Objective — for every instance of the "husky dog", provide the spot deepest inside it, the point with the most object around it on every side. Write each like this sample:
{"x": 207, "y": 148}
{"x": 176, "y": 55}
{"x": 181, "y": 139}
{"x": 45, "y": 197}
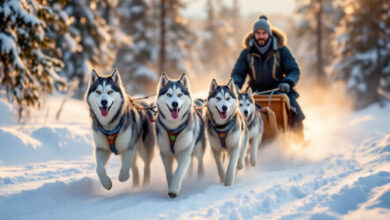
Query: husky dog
{"x": 179, "y": 129}
{"x": 254, "y": 123}
{"x": 119, "y": 128}
{"x": 226, "y": 128}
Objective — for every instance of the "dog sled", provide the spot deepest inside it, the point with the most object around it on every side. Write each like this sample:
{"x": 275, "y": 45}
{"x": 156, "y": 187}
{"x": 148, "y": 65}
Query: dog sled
{"x": 275, "y": 112}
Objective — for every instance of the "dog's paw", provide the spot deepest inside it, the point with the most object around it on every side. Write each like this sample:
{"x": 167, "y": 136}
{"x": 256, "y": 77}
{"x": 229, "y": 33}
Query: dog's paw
{"x": 124, "y": 176}
{"x": 253, "y": 161}
{"x": 173, "y": 193}
{"x": 240, "y": 165}
{"x": 106, "y": 182}
{"x": 228, "y": 183}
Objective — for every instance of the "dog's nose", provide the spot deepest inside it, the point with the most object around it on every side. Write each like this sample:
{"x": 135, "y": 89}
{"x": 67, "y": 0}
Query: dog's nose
{"x": 224, "y": 108}
{"x": 104, "y": 102}
{"x": 174, "y": 104}
{"x": 246, "y": 112}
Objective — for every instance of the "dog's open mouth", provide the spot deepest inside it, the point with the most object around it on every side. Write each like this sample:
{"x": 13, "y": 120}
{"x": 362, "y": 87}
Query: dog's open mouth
{"x": 246, "y": 115}
{"x": 104, "y": 110}
{"x": 174, "y": 112}
{"x": 222, "y": 114}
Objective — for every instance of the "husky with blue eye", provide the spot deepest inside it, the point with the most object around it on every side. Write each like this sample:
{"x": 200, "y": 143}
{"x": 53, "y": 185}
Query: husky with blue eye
{"x": 118, "y": 128}
{"x": 226, "y": 128}
{"x": 255, "y": 126}
{"x": 179, "y": 129}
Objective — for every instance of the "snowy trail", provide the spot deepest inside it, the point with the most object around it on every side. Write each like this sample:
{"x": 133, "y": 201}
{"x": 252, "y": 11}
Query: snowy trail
{"x": 343, "y": 173}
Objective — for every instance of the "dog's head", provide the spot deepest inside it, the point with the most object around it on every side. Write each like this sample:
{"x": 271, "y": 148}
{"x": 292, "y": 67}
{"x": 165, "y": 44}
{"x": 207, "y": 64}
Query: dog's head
{"x": 105, "y": 94}
{"x": 222, "y": 100}
{"x": 174, "y": 98}
{"x": 247, "y": 104}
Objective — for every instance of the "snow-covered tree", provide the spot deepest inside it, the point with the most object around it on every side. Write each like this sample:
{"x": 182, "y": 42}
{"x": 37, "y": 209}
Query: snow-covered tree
{"x": 320, "y": 19}
{"x": 179, "y": 39}
{"x": 134, "y": 60}
{"x": 218, "y": 43}
{"x": 365, "y": 50}
{"x": 29, "y": 60}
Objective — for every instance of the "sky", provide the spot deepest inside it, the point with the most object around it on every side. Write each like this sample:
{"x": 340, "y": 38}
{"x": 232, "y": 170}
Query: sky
{"x": 286, "y": 7}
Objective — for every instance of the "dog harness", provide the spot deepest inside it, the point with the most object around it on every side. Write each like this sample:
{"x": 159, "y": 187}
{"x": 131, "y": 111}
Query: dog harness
{"x": 172, "y": 134}
{"x": 222, "y": 134}
{"x": 111, "y": 136}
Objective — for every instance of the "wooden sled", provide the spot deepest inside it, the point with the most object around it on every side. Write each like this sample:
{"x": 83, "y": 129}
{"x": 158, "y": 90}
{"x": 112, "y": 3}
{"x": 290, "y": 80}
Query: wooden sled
{"x": 276, "y": 114}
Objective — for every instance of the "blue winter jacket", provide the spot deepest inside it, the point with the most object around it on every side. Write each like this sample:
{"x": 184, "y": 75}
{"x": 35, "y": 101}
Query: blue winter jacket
{"x": 287, "y": 71}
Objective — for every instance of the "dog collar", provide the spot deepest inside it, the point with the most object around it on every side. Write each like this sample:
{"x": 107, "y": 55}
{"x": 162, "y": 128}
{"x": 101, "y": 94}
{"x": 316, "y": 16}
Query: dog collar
{"x": 111, "y": 135}
{"x": 172, "y": 134}
{"x": 222, "y": 133}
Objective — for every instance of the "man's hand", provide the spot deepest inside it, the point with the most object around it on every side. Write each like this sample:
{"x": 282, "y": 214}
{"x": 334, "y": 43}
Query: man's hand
{"x": 284, "y": 87}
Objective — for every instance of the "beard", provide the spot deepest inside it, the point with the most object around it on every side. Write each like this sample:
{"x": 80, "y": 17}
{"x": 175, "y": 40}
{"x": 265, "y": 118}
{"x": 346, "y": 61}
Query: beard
{"x": 261, "y": 41}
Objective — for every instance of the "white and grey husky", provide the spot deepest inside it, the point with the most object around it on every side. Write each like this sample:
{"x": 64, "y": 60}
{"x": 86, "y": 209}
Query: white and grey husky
{"x": 119, "y": 128}
{"x": 179, "y": 129}
{"x": 226, "y": 128}
{"x": 254, "y": 123}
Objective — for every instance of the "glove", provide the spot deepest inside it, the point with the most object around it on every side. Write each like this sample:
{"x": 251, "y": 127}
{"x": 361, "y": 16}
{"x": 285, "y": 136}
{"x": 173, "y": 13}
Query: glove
{"x": 284, "y": 87}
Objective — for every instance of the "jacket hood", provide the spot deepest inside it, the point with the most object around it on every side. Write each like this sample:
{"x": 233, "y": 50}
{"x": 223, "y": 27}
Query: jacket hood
{"x": 280, "y": 39}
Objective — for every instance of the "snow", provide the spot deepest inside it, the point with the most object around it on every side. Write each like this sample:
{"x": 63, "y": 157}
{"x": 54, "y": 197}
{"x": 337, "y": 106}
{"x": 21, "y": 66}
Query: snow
{"x": 47, "y": 171}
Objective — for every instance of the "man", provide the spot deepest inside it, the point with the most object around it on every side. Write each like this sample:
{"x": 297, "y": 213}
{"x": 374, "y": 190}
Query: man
{"x": 269, "y": 64}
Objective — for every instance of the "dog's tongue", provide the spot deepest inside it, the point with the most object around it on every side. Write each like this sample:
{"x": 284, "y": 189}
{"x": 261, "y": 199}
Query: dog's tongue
{"x": 223, "y": 115}
{"x": 174, "y": 113}
{"x": 104, "y": 111}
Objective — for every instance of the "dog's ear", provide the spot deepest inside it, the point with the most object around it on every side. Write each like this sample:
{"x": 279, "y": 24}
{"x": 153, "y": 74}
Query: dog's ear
{"x": 163, "y": 80}
{"x": 115, "y": 76}
{"x": 250, "y": 93}
{"x": 184, "y": 81}
{"x": 94, "y": 77}
{"x": 232, "y": 87}
{"x": 213, "y": 86}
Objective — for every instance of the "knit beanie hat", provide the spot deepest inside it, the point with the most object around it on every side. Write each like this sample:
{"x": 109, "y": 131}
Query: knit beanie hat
{"x": 263, "y": 24}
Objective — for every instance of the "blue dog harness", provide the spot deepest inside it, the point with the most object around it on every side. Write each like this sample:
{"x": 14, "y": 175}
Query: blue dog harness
{"x": 111, "y": 135}
{"x": 222, "y": 134}
{"x": 172, "y": 134}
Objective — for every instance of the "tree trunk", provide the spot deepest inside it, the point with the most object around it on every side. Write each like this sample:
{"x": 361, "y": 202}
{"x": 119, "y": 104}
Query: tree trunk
{"x": 162, "y": 35}
{"x": 320, "y": 68}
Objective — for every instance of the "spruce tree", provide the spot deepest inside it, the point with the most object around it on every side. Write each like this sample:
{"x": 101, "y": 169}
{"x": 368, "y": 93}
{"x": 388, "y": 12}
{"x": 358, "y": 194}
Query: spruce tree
{"x": 365, "y": 50}
{"x": 29, "y": 60}
{"x": 320, "y": 19}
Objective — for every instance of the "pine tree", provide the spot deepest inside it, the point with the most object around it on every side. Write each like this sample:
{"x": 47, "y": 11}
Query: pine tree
{"x": 179, "y": 40}
{"x": 320, "y": 19}
{"x": 365, "y": 50}
{"x": 134, "y": 61}
{"x": 91, "y": 41}
{"x": 29, "y": 60}
{"x": 218, "y": 43}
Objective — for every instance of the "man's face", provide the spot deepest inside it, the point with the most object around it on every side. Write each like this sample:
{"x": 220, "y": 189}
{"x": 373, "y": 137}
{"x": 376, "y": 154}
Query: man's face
{"x": 261, "y": 37}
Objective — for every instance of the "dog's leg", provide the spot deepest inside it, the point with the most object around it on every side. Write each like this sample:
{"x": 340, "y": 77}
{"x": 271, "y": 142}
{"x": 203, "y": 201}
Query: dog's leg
{"x": 243, "y": 152}
{"x": 200, "y": 167}
{"x": 167, "y": 161}
{"x": 102, "y": 157}
{"x": 221, "y": 172}
{"x": 183, "y": 162}
{"x": 127, "y": 162}
{"x": 135, "y": 171}
{"x": 191, "y": 168}
{"x": 255, "y": 146}
{"x": 231, "y": 170}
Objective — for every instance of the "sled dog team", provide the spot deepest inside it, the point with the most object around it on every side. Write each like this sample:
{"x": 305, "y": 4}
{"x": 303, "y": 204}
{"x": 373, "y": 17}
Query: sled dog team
{"x": 124, "y": 127}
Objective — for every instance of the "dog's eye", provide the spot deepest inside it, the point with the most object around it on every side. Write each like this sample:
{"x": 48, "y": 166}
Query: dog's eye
{"x": 110, "y": 92}
{"x": 240, "y": 104}
{"x": 218, "y": 99}
{"x": 248, "y": 104}
{"x": 169, "y": 94}
{"x": 180, "y": 94}
{"x": 228, "y": 98}
{"x": 98, "y": 92}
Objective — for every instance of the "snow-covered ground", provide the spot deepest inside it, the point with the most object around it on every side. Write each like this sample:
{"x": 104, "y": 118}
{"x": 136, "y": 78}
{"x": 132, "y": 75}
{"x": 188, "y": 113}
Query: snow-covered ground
{"x": 47, "y": 171}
